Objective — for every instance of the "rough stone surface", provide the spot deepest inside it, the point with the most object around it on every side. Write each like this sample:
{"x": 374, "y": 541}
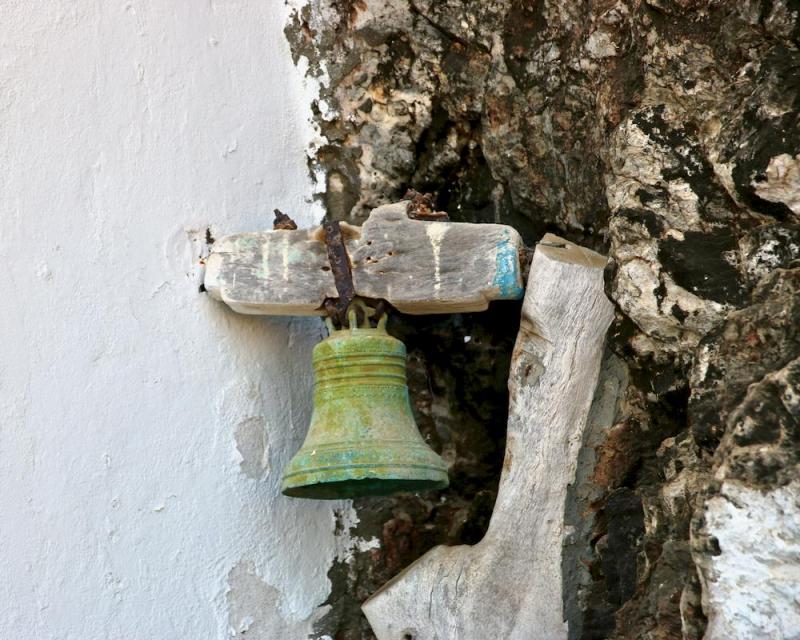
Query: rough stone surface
{"x": 665, "y": 133}
{"x": 747, "y": 594}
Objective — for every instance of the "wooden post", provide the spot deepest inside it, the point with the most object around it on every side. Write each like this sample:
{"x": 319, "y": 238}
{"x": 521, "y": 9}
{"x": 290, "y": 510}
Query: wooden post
{"x": 509, "y": 585}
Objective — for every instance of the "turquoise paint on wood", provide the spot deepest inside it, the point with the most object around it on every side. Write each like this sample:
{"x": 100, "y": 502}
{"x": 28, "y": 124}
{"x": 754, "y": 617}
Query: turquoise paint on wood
{"x": 507, "y": 277}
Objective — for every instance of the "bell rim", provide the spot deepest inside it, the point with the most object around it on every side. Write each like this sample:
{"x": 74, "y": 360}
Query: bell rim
{"x": 353, "y": 489}
{"x": 378, "y": 483}
{"x": 392, "y": 457}
{"x": 366, "y": 465}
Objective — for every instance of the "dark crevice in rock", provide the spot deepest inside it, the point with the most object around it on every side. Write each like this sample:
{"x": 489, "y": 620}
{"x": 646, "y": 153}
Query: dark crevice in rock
{"x": 700, "y": 263}
{"x": 768, "y": 139}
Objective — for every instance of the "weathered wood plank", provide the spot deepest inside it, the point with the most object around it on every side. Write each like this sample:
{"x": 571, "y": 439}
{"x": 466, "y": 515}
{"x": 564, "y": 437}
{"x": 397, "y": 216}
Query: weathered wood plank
{"x": 419, "y": 267}
{"x": 509, "y": 585}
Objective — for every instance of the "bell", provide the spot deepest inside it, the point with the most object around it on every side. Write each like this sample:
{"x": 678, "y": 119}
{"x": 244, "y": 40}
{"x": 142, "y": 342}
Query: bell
{"x": 363, "y": 440}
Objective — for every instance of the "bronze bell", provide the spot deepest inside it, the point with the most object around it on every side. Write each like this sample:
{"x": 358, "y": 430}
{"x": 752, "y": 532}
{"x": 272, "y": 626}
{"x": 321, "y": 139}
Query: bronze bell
{"x": 363, "y": 440}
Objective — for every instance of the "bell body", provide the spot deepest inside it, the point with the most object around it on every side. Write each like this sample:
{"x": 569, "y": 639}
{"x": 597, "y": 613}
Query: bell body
{"x": 363, "y": 439}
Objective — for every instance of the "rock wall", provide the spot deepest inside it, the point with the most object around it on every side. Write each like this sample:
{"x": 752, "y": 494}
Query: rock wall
{"x": 665, "y": 133}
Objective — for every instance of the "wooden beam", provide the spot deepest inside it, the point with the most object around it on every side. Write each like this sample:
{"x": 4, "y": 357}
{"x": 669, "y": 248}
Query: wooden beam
{"x": 419, "y": 267}
{"x": 509, "y": 585}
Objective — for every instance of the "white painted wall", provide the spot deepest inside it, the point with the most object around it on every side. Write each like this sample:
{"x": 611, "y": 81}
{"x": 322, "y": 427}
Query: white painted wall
{"x": 142, "y": 425}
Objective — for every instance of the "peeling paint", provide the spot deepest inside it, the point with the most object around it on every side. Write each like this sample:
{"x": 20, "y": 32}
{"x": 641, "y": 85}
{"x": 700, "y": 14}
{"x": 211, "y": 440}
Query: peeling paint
{"x": 436, "y": 232}
{"x": 252, "y": 444}
{"x": 254, "y": 608}
{"x": 507, "y": 277}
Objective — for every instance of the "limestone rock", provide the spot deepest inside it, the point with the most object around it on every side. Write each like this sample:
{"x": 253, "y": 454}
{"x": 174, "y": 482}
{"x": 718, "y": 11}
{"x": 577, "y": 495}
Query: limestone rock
{"x": 665, "y": 133}
{"x": 750, "y": 577}
{"x": 752, "y": 342}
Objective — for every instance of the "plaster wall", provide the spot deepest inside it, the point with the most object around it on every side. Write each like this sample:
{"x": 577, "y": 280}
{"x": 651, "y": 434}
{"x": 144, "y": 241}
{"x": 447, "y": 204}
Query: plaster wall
{"x": 143, "y": 426}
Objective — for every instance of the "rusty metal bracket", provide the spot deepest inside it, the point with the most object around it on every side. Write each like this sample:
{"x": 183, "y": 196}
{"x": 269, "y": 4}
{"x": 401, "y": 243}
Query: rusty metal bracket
{"x": 336, "y": 308}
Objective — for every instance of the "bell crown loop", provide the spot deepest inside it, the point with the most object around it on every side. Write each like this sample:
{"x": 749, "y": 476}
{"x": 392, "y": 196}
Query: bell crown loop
{"x": 359, "y": 306}
{"x": 359, "y": 352}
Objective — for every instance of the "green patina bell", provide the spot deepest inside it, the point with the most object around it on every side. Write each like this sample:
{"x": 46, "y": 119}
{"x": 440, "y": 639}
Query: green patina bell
{"x": 363, "y": 440}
